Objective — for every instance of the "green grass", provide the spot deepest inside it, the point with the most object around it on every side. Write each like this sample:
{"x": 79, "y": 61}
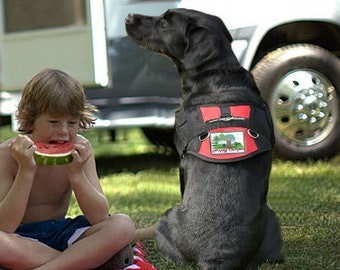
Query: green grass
{"x": 142, "y": 181}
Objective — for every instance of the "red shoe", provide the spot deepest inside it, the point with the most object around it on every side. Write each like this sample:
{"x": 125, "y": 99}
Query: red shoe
{"x": 139, "y": 262}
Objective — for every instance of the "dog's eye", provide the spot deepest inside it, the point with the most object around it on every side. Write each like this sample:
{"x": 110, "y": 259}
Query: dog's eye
{"x": 164, "y": 23}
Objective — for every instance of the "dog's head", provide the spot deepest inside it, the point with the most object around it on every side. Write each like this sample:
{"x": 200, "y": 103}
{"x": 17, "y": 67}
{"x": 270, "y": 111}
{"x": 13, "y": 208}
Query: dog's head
{"x": 188, "y": 37}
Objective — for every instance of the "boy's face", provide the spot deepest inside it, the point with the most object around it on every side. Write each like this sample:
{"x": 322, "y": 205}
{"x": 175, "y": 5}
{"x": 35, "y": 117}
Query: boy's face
{"x": 55, "y": 129}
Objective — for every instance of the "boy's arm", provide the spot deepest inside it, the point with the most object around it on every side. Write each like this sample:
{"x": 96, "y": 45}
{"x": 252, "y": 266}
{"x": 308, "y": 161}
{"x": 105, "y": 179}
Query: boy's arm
{"x": 15, "y": 181}
{"x": 85, "y": 183}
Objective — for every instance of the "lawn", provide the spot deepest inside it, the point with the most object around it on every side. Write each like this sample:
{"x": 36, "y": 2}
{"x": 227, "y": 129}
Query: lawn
{"x": 142, "y": 181}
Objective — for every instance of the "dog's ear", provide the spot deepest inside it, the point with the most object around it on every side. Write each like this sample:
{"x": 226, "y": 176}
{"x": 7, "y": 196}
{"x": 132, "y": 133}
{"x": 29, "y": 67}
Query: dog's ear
{"x": 188, "y": 36}
{"x": 228, "y": 35}
{"x": 225, "y": 29}
{"x": 206, "y": 40}
{"x": 200, "y": 46}
{"x": 195, "y": 36}
{"x": 214, "y": 23}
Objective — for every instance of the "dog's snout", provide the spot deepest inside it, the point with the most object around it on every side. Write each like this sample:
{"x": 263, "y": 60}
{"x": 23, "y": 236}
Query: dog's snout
{"x": 129, "y": 18}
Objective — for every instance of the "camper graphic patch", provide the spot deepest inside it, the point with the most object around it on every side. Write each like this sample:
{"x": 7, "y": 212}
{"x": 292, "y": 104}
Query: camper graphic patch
{"x": 227, "y": 142}
{"x": 230, "y": 143}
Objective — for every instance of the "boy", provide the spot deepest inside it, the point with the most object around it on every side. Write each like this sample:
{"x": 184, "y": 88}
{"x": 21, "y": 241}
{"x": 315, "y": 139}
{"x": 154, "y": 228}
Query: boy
{"x": 34, "y": 199}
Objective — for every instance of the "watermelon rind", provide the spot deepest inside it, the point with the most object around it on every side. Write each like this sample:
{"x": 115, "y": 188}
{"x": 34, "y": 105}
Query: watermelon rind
{"x": 55, "y": 159}
{"x": 53, "y": 154}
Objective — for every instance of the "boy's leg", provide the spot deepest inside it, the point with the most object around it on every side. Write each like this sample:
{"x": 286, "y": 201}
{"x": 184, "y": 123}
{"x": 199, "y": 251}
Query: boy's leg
{"x": 22, "y": 253}
{"x": 97, "y": 245}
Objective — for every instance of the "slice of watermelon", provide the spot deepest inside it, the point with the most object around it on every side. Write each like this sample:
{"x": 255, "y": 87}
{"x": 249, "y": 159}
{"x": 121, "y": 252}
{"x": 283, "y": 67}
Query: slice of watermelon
{"x": 53, "y": 153}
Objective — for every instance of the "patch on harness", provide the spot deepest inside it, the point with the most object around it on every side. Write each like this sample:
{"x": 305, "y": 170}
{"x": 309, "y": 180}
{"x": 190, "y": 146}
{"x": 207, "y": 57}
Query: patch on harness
{"x": 227, "y": 142}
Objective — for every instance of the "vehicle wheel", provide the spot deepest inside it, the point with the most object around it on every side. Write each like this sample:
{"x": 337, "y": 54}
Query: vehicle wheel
{"x": 160, "y": 137}
{"x": 301, "y": 85}
{"x": 112, "y": 133}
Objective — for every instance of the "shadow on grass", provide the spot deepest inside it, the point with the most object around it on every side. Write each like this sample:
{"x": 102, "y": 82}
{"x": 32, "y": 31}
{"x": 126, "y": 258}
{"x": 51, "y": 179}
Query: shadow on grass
{"x": 135, "y": 163}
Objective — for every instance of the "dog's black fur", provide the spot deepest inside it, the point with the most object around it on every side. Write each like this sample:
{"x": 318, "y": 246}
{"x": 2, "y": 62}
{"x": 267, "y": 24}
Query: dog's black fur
{"x": 223, "y": 221}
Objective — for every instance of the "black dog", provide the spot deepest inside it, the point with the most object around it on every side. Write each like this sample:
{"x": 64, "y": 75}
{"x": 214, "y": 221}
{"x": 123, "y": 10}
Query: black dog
{"x": 224, "y": 137}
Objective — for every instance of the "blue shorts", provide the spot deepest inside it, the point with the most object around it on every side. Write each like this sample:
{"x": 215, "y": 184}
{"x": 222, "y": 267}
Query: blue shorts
{"x": 58, "y": 234}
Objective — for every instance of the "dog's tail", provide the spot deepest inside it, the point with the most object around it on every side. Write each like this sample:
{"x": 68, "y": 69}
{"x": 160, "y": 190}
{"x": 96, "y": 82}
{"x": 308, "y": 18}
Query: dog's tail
{"x": 145, "y": 233}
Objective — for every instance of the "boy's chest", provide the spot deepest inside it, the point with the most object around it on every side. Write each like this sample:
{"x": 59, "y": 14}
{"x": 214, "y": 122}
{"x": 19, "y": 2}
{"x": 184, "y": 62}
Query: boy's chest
{"x": 50, "y": 185}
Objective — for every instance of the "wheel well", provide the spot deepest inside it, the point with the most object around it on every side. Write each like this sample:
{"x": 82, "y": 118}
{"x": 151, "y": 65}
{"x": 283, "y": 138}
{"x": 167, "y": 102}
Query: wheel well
{"x": 323, "y": 34}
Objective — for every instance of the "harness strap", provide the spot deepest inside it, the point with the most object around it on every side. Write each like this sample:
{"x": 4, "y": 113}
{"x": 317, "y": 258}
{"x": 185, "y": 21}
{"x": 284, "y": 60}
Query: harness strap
{"x": 224, "y": 133}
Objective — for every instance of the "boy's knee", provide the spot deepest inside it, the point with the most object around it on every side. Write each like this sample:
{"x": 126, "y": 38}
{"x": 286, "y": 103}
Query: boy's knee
{"x": 124, "y": 225}
{"x": 4, "y": 241}
{"x": 6, "y": 252}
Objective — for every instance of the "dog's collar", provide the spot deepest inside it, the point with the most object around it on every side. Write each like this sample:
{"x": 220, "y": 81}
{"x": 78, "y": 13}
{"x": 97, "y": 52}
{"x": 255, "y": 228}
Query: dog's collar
{"x": 225, "y": 132}
{"x": 196, "y": 99}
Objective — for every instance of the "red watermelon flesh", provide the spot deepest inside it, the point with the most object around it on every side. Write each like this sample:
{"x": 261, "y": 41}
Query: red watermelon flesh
{"x": 53, "y": 153}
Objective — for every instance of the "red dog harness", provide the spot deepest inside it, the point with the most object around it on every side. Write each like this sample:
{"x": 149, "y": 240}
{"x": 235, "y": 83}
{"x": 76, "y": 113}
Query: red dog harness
{"x": 224, "y": 133}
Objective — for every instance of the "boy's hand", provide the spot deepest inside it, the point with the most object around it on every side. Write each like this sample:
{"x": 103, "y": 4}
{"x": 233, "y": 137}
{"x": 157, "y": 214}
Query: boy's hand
{"x": 81, "y": 153}
{"x": 22, "y": 149}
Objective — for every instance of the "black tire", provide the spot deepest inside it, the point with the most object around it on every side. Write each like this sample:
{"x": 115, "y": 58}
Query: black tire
{"x": 160, "y": 136}
{"x": 301, "y": 84}
{"x": 112, "y": 133}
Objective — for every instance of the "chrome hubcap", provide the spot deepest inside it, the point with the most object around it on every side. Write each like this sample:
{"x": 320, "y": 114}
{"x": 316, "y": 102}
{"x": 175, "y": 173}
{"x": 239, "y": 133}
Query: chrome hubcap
{"x": 304, "y": 106}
